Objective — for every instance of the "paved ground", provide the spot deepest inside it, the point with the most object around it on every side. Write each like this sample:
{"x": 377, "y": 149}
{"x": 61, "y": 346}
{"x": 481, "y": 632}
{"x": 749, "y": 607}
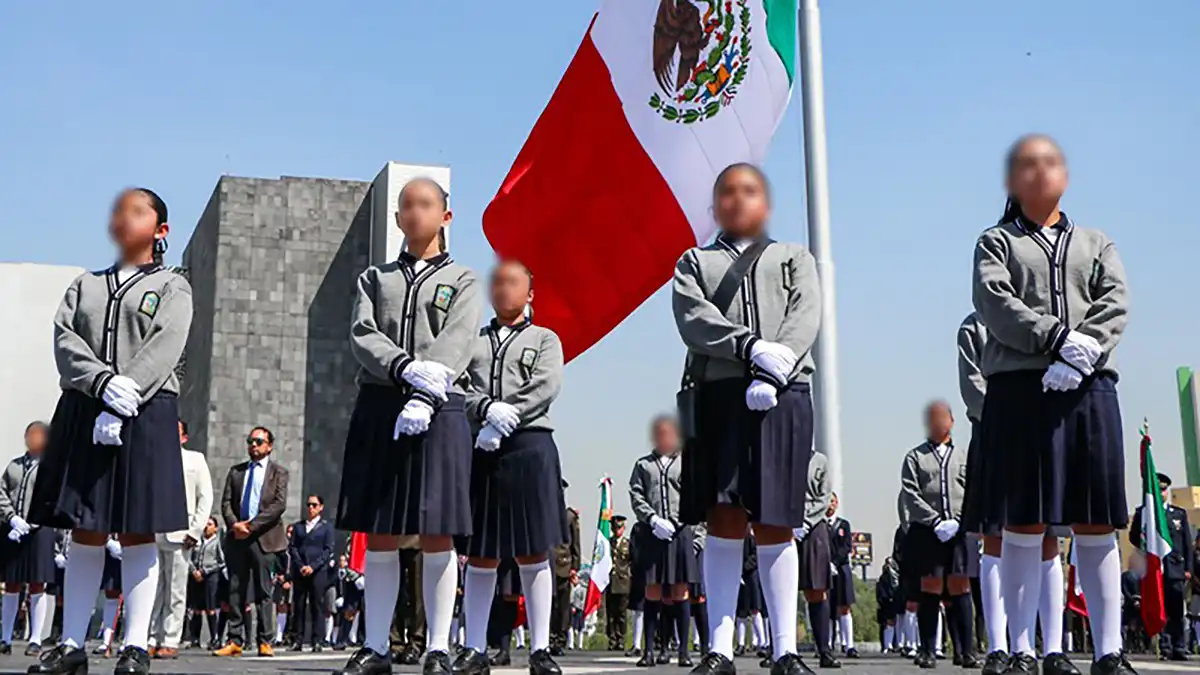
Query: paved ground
{"x": 591, "y": 663}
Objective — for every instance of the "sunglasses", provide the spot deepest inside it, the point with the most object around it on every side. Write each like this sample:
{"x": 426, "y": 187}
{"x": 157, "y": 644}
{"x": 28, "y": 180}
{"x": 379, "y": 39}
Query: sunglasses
{"x": 256, "y": 441}
{"x": 313, "y": 505}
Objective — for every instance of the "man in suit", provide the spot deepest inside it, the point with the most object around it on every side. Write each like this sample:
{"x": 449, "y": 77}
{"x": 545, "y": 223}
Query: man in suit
{"x": 252, "y": 505}
{"x": 311, "y": 551}
{"x": 166, "y": 625}
{"x": 567, "y": 560}
{"x": 617, "y": 601}
{"x": 1176, "y": 571}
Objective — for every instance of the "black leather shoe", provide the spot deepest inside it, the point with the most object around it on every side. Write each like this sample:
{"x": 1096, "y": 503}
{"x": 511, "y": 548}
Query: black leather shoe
{"x": 766, "y": 662}
{"x": 411, "y": 656}
{"x": 969, "y": 661}
{"x": 436, "y": 663}
{"x": 790, "y": 664}
{"x": 62, "y": 660}
{"x": 647, "y": 660}
{"x": 852, "y": 653}
{"x": 663, "y": 658}
{"x": 33, "y": 649}
{"x": 366, "y": 662}
{"x": 541, "y": 663}
{"x": 1058, "y": 664}
{"x": 471, "y": 662}
{"x": 957, "y": 660}
{"x": 5, "y": 648}
{"x": 685, "y": 659}
{"x": 715, "y": 664}
{"x": 1179, "y": 655}
{"x": 132, "y": 661}
{"x": 298, "y": 647}
{"x": 501, "y": 658}
{"x": 996, "y": 663}
{"x": 828, "y": 660}
{"x": 925, "y": 660}
{"x": 1113, "y": 664}
{"x": 1022, "y": 664}
{"x": 319, "y": 647}
{"x": 557, "y": 651}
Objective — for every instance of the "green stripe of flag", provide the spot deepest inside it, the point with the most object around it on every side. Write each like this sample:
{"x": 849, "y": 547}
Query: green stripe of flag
{"x": 781, "y": 32}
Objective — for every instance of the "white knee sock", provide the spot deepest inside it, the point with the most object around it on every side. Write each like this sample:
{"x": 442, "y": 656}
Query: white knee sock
{"x": 520, "y": 635}
{"x": 1099, "y": 567}
{"x": 722, "y": 576}
{"x": 937, "y": 638}
{"x": 280, "y": 626}
{"x": 139, "y": 580}
{"x": 381, "y": 572}
{"x": 1021, "y": 584}
{"x": 889, "y": 635}
{"x": 354, "y": 624}
{"x": 740, "y": 639}
{"x": 108, "y": 619}
{"x": 910, "y": 628}
{"x": 479, "y": 589}
{"x": 328, "y": 629}
{"x": 1050, "y": 606}
{"x": 537, "y": 582}
{"x": 8, "y": 614}
{"x": 994, "y": 619}
{"x": 81, "y": 583}
{"x": 39, "y": 608}
{"x": 638, "y": 626}
{"x": 760, "y": 630}
{"x": 439, "y": 582}
{"x": 846, "y": 628}
{"x": 779, "y": 570}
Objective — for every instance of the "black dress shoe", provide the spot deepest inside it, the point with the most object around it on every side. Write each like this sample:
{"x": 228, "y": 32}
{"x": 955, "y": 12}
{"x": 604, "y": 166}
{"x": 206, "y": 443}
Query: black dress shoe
{"x": 1113, "y": 664}
{"x": 647, "y": 660}
{"x": 411, "y": 656}
{"x": 739, "y": 651}
{"x": 766, "y": 662}
{"x": 685, "y": 660}
{"x": 298, "y": 647}
{"x": 957, "y": 659}
{"x": 5, "y": 648}
{"x": 996, "y": 663}
{"x": 1022, "y": 664}
{"x": 1058, "y": 664}
{"x": 62, "y": 660}
{"x": 663, "y": 658}
{"x": 790, "y": 664}
{"x": 557, "y": 651}
{"x": 436, "y": 663}
{"x": 715, "y": 664}
{"x": 925, "y": 660}
{"x": 969, "y": 661}
{"x": 366, "y": 662}
{"x": 132, "y": 661}
{"x": 33, "y": 649}
{"x": 318, "y": 648}
{"x": 501, "y": 658}
{"x": 828, "y": 660}
{"x": 541, "y": 663}
{"x": 852, "y": 653}
{"x": 1179, "y": 655}
{"x": 634, "y": 652}
{"x": 471, "y": 662}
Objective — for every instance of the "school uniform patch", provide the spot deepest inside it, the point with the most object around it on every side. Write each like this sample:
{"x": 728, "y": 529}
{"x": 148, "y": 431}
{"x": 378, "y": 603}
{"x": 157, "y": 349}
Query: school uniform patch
{"x": 443, "y": 295}
{"x": 149, "y": 304}
{"x": 528, "y": 357}
{"x": 786, "y": 272}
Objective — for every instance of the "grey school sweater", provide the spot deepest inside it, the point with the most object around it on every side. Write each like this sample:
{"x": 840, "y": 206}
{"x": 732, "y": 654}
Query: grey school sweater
{"x": 819, "y": 494}
{"x": 654, "y": 487}
{"x": 972, "y": 336}
{"x": 1031, "y": 291}
{"x": 401, "y": 315}
{"x": 137, "y": 327}
{"x": 931, "y": 487}
{"x": 523, "y": 369}
{"x": 779, "y": 301}
{"x": 16, "y": 487}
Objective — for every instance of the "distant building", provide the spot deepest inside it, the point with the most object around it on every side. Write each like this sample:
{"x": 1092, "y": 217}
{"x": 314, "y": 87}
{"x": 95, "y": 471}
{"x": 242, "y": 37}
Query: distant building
{"x": 273, "y": 265}
{"x": 32, "y": 295}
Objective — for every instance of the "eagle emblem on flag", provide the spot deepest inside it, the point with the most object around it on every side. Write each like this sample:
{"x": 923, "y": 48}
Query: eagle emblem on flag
{"x": 701, "y": 55}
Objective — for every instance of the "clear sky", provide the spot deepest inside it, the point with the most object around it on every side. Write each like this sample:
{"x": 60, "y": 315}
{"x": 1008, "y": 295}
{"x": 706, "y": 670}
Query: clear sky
{"x": 922, "y": 100}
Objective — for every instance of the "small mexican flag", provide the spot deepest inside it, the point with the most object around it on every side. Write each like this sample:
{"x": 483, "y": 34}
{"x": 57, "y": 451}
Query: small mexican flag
{"x": 601, "y": 551}
{"x": 1156, "y": 541}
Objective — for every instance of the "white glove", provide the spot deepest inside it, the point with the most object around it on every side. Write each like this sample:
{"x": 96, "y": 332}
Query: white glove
{"x": 14, "y": 535}
{"x": 60, "y": 561}
{"x": 1061, "y": 377}
{"x": 122, "y": 395}
{"x": 761, "y": 396}
{"x": 430, "y": 377}
{"x": 776, "y": 359}
{"x": 107, "y": 429}
{"x": 833, "y": 569}
{"x": 663, "y": 529}
{"x": 18, "y": 524}
{"x": 503, "y": 416}
{"x": 338, "y": 603}
{"x": 413, "y": 420}
{"x": 800, "y": 532}
{"x": 946, "y": 530}
{"x": 360, "y": 583}
{"x": 114, "y": 548}
{"x": 1081, "y": 351}
{"x": 489, "y": 439}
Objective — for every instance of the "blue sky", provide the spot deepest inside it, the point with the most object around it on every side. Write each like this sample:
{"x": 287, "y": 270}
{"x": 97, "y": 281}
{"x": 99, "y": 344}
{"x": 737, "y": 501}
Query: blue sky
{"x": 922, "y": 100}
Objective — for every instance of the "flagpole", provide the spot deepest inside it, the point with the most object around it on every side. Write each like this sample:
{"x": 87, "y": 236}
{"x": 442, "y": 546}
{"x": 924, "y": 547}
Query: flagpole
{"x": 826, "y": 390}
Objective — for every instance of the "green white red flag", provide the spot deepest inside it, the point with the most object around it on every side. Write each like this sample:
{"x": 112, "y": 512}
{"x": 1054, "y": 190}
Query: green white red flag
{"x": 1156, "y": 542}
{"x": 601, "y": 551}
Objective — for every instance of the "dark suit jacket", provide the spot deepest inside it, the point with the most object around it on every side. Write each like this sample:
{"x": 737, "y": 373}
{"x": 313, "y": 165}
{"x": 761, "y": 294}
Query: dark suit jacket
{"x": 567, "y": 556}
{"x": 267, "y": 527}
{"x": 312, "y": 549}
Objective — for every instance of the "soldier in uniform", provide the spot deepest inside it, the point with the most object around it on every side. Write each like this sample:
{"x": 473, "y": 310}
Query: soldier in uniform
{"x": 1176, "y": 571}
{"x": 620, "y": 580}
{"x": 408, "y": 623}
{"x": 567, "y": 559}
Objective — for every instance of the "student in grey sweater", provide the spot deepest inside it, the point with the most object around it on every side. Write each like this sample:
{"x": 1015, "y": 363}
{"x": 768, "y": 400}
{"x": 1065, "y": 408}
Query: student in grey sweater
{"x": 517, "y": 505}
{"x": 407, "y": 462}
{"x": 746, "y": 405}
{"x": 1055, "y": 302}
{"x": 816, "y": 556}
{"x": 113, "y": 464}
{"x": 28, "y": 550}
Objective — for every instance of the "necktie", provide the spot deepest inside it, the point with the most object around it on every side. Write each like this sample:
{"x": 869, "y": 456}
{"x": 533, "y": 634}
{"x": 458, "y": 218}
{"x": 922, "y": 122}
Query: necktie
{"x": 247, "y": 504}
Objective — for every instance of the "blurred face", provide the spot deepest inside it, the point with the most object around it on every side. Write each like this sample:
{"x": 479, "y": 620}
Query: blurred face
{"x": 258, "y": 445}
{"x": 833, "y": 506}
{"x": 510, "y": 290}
{"x": 35, "y": 440}
{"x": 666, "y": 438}
{"x": 210, "y": 528}
{"x": 740, "y": 204}
{"x": 134, "y": 226}
{"x": 1038, "y": 174}
{"x": 421, "y": 214}
{"x": 313, "y": 508}
{"x": 938, "y": 421}
{"x": 343, "y": 561}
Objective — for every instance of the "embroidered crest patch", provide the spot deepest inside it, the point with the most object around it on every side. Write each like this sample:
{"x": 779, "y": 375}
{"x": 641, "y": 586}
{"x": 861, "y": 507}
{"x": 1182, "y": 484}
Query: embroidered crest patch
{"x": 443, "y": 295}
{"x": 149, "y": 304}
{"x": 528, "y": 357}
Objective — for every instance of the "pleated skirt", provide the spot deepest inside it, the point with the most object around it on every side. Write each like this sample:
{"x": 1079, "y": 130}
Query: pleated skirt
{"x": 1052, "y": 458}
{"x": 411, "y": 485}
{"x": 750, "y": 599}
{"x": 666, "y": 562}
{"x": 974, "y": 509}
{"x": 841, "y": 592}
{"x": 816, "y": 552}
{"x": 756, "y": 460}
{"x": 925, "y": 556}
{"x": 30, "y": 560}
{"x": 517, "y": 503}
{"x": 110, "y": 578}
{"x": 134, "y": 488}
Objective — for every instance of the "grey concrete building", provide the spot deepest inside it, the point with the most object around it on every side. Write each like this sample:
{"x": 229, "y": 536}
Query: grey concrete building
{"x": 273, "y": 264}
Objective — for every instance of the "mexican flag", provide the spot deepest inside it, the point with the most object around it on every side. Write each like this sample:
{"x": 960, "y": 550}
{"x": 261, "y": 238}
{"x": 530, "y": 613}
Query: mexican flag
{"x": 615, "y": 181}
{"x": 1075, "y": 600}
{"x": 358, "y": 552}
{"x": 601, "y": 551}
{"x": 1156, "y": 542}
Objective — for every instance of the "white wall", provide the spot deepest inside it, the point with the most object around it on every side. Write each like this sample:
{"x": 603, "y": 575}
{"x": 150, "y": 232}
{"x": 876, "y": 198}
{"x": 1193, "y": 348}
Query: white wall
{"x": 386, "y": 239}
{"x": 29, "y": 380}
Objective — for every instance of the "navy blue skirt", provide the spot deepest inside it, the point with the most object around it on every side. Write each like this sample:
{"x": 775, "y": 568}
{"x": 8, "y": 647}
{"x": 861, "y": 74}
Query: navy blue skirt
{"x": 666, "y": 562}
{"x": 974, "y": 509}
{"x": 517, "y": 504}
{"x": 110, "y": 579}
{"x": 756, "y": 460}
{"x": 816, "y": 552}
{"x": 31, "y": 560}
{"x": 925, "y": 556}
{"x": 841, "y": 593}
{"x": 750, "y": 595}
{"x": 414, "y": 485}
{"x": 134, "y": 488}
{"x": 1052, "y": 458}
